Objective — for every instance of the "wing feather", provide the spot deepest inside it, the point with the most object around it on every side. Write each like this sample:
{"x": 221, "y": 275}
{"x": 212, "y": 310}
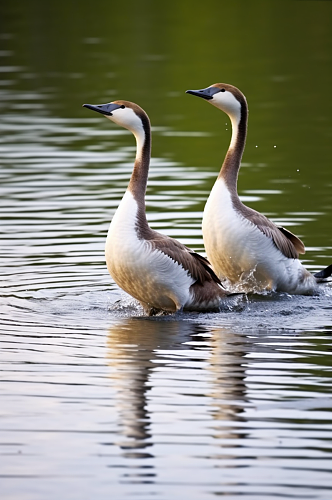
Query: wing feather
{"x": 196, "y": 265}
{"x": 289, "y": 244}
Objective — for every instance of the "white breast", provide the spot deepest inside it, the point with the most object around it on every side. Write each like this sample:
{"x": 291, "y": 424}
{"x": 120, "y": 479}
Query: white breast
{"x": 231, "y": 241}
{"x": 144, "y": 272}
{"x": 240, "y": 253}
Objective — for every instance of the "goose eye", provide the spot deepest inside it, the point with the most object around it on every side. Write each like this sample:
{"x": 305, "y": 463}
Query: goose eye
{"x": 122, "y": 106}
{"x": 222, "y": 90}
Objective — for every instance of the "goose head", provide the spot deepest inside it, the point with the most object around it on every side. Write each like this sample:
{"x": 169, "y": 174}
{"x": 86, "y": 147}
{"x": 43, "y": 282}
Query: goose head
{"x": 124, "y": 113}
{"x": 225, "y": 97}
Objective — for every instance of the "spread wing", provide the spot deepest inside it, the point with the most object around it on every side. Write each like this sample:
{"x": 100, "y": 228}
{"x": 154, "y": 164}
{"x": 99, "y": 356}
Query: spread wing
{"x": 289, "y": 244}
{"x": 196, "y": 265}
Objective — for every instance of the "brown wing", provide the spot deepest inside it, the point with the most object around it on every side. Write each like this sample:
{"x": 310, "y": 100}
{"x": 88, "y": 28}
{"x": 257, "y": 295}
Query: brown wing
{"x": 298, "y": 244}
{"x": 289, "y": 244}
{"x": 196, "y": 265}
{"x": 207, "y": 266}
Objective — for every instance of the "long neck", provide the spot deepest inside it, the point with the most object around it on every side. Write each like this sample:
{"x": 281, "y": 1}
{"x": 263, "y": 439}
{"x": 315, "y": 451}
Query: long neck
{"x": 231, "y": 166}
{"x": 139, "y": 177}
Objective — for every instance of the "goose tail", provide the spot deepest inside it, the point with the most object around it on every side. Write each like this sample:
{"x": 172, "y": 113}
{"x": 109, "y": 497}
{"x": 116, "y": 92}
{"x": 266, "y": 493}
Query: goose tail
{"x": 323, "y": 274}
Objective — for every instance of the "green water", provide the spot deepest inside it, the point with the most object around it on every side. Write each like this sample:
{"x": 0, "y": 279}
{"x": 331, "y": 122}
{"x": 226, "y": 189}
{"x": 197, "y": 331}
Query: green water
{"x": 277, "y": 53}
{"x": 98, "y": 401}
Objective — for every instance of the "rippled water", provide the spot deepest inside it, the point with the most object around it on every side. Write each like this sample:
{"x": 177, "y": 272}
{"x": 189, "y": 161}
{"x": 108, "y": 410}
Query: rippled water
{"x": 98, "y": 401}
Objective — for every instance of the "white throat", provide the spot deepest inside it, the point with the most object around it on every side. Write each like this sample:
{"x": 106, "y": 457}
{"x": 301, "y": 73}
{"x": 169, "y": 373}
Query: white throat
{"x": 228, "y": 103}
{"x": 127, "y": 118}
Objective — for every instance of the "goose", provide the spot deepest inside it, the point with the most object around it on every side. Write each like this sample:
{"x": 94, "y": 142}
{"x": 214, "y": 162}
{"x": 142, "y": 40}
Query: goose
{"x": 160, "y": 272}
{"x": 245, "y": 248}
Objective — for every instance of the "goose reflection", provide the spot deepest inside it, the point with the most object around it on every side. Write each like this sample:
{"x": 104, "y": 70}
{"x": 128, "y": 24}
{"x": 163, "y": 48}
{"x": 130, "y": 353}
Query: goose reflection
{"x": 228, "y": 387}
{"x": 139, "y": 347}
{"x": 133, "y": 351}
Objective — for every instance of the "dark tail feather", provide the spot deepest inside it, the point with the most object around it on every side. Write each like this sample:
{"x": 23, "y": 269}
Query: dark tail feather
{"x": 324, "y": 273}
{"x": 207, "y": 266}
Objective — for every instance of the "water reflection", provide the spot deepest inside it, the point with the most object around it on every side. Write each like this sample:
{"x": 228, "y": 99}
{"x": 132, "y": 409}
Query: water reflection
{"x": 235, "y": 404}
{"x": 213, "y": 396}
{"x": 139, "y": 349}
{"x": 228, "y": 370}
{"x": 135, "y": 351}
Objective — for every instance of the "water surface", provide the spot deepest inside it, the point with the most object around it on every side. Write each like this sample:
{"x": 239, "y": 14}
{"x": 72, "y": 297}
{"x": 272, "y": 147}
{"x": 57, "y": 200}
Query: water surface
{"x": 96, "y": 399}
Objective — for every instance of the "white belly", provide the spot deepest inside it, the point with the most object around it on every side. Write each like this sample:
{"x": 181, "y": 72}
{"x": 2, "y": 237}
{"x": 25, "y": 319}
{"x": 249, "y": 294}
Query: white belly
{"x": 240, "y": 253}
{"x": 147, "y": 274}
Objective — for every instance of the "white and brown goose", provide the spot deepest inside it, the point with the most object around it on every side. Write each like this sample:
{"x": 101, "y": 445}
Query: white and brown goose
{"x": 158, "y": 271}
{"x": 244, "y": 247}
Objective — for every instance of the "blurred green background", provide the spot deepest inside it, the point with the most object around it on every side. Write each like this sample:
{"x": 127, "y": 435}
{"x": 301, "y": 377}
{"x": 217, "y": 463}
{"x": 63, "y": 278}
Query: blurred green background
{"x": 279, "y": 53}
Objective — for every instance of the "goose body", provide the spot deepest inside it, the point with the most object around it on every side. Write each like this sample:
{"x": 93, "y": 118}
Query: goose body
{"x": 158, "y": 271}
{"x": 245, "y": 248}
